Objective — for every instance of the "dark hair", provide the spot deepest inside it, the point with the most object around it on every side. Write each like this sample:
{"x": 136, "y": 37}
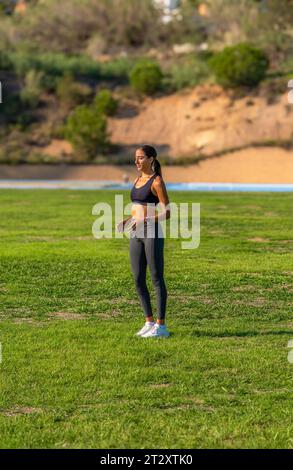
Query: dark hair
{"x": 151, "y": 152}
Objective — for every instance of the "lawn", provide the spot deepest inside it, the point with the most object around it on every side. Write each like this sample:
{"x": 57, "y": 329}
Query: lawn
{"x": 73, "y": 375}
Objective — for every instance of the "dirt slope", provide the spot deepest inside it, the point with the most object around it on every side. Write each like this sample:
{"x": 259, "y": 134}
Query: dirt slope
{"x": 203, "y": 120}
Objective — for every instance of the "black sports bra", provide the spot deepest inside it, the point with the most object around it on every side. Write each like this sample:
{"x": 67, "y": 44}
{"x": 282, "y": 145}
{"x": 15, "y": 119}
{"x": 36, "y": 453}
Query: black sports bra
{"x": 144, "y": 195}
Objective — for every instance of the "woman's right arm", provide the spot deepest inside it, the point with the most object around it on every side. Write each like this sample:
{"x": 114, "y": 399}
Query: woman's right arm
{"x": 121, "y": 224}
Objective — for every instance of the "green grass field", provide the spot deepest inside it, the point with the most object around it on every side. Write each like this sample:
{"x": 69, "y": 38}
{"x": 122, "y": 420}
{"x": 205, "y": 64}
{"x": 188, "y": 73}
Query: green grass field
{"x": 73, "y": 375}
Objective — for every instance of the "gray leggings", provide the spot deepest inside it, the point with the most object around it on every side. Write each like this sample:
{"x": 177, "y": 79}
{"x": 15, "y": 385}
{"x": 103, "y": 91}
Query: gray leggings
{"x": 149, "y": 251}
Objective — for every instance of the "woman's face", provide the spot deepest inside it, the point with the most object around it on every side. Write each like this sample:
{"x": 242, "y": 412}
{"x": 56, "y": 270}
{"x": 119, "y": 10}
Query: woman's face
{"x": 143, "y": 163}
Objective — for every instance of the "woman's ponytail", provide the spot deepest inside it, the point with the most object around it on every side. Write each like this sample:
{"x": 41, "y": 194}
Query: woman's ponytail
{"x": 157, "y": 167}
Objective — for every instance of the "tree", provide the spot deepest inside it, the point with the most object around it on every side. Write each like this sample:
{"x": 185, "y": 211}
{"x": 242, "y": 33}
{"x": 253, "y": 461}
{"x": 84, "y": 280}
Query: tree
{"x": 86, "y": 129}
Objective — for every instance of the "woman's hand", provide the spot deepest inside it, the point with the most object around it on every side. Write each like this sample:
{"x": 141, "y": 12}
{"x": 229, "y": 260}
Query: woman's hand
{"x": 131, "y": 224}
{"x": 137, "y": 224}
{"x": 125, "y": 224}
{"x": 120, "y": 226}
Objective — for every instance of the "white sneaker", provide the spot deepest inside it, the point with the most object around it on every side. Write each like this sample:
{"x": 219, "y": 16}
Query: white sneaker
{"x": 157, "y": 331}
{"x": 146, "y": 328}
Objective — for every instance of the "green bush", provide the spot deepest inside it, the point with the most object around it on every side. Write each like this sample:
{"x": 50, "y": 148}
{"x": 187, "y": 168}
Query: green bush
{"x": 72, "y": 93}
{"x": 105, "y": 103}
{"x": 5, "y": 63}
{"x": 31, "y": 92}
{"x": 239, "y": 65}
{"x": 146, "y": 77}
{"x": 6, "y": 7}
{"x": 14, "y": 112}
{"x": 14, "y": 148}
{"x": 11, "y": 107}
{"x": 117, "y": 68}
{"x": 86, "y": 129}
{"x": 56, "y": 64}
{"x": 188, "y": 73}
{"x": 38, "y": 157}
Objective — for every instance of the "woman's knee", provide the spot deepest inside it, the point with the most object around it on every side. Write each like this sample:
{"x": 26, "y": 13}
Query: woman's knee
{"x": 157, "y": 278}
{"x": 140, "y": 280}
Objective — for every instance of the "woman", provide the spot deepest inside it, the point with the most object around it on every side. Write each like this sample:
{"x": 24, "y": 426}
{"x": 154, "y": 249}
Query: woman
{"x": 147, "y": 249}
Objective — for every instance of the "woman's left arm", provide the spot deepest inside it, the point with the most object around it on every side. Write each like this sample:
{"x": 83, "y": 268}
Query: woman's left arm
{"x": 160, "y": 188}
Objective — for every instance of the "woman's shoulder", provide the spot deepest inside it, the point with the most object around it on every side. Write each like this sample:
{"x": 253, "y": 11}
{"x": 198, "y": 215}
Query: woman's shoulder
{"x": 158, "y": 179}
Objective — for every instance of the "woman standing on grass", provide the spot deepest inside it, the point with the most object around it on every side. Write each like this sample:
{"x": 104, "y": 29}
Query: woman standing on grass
{"x": 147, "y": 239}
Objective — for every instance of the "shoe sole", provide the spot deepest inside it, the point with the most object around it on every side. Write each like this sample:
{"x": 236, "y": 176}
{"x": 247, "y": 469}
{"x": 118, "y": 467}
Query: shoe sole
{"x": 139, "y": 334}
{"x": 157, "y": 336}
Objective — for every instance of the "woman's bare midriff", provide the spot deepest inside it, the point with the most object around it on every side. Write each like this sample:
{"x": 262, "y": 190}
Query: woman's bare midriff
{"x": 140, "y": 211}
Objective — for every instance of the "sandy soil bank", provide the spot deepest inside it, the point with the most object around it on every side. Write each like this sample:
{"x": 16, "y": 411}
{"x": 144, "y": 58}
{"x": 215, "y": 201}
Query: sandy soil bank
{"x": 254, "y": 165}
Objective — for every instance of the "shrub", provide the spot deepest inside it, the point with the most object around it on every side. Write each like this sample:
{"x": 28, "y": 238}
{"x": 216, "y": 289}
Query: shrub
{"x": 86, "y": 129}
{"x": 72, "y": 93}
{"x": 11, "y": 107}
{"x": 188, "y": 73}
{"x": 55, "y": 64}
{"x": 58, "y": 65}
{"x": 146, "y": 77}
{"x": 105, "y": 103}
{"x": 6, "y": 7}
{"x": 68, "y": 26}
{"x": 14, "y": 112}
{"x": 49, "y": 83}
{"x": 239, "y": 65}
{"x": 31, "y": 92}
{"x": 38, "y": 157}
{"x": 14, "y": 148}
{"x": 117, "y": 68}
{"x": 4, "y": 61}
